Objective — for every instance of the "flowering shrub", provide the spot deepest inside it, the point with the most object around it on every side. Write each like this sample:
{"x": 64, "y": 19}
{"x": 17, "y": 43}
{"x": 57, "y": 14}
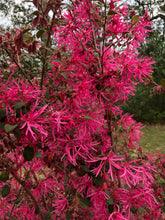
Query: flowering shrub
{"x": 66, "y": 149}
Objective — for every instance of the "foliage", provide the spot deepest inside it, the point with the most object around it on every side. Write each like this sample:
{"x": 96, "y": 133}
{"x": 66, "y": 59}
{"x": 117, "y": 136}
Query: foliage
{"x": 66, "y": 149}
{"x": 19, "y": 13}
{"x": 146, "y": 105}
{"x": 141, "y": 6}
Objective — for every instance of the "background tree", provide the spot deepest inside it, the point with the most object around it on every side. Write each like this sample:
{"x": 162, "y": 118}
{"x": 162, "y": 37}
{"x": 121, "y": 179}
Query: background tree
{"x": 21, "y": 15}
{"x": 17, "y": 12}
{"x": 152, "y": 106}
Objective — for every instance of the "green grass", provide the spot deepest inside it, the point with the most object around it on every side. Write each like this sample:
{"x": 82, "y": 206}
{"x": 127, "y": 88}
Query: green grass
{"x": 153, "y": 138}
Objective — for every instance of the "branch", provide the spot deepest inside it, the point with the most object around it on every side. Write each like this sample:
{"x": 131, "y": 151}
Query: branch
{"x": 94, "y": 41}
{"x": 20, "y": 68}
{"x": 95, "y": 45}
{"x": 19, "y": 193}
{"x": 109, "y": 122}
{"x": 27, "y": 190}
{"x": 160, "y": 15}
{"x": 44, "y": 67}
{"x": 105, "y": 20}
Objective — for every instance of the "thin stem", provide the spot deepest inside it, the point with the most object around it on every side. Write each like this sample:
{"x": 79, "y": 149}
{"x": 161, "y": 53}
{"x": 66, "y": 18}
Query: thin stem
{"x": 19, "y": 193}
{"x": 108, "y": 115}
{"x": 27, "y": 190}
{"x": 94, "y": 41}
{"x": 20, "y": 68}
{"x": 103, "y": 35}
{"x": 95, "y": 46}
{"x": 65, "y": 178}
{"x": 44, "y": 67}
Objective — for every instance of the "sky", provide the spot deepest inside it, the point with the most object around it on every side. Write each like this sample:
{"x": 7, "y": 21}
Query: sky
{"x": 5, "y": 21}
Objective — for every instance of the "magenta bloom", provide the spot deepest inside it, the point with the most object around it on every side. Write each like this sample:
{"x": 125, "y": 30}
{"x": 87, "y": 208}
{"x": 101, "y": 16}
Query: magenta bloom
{"x": 32, "y": 121}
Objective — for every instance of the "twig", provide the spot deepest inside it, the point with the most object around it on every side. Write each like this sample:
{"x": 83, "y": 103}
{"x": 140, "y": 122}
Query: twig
{"x": 95, "y": 45}
{"x": 103, "y": 35}
{"x": 108, "y": 115}
{"x": 65, "y": 178}
{"x": 19, "y": 192}
{"x": 44, "y": 67}
{"x": 27, "y": 190}
{"x": 20, "y": 68}
{"x": 94, "y": 42}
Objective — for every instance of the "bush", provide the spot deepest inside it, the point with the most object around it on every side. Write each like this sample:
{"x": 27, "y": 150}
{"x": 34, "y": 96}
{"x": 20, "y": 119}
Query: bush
{"x": 66, "y": 150}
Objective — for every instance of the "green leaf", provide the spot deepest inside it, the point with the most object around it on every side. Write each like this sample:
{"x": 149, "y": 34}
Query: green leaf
{"x": 133, "y": 209}
{"x": 66, "y": 54}
{"x": 135, "y": 19}
{"x": 69, "y": 214}
{"x": 28, "y": 153}
{"x": 96, "y": 54}
{"x": 150, "y": 78}
{"x": 1, "y": 125}
{"x": 133, "y": 155}
{"x": 12, "y": 218}
{"x": 58, "y": 60}
{"x": 64, "y": 75}
{"x": 56, "y": 21}
{"x": 38, "y": 155}
{"x": 19, "y": 105}
{"x": 109, "y": 201}
{"x": 97, "y": 181}
{"x": 85, "y": 168}
{"x": 107, "y": 44}
{"x": 18, "y": 200}
{"x": 163, "y": 208}
{"x": 141, "y": 210}
{"x": 5, "y": 190}
{"x": 124, "y": 33}
{"x": 84, "y": 200}
{"x": 8, "y": 128}
{"x": 88, "y": 117}
{"x": 112, "y": 12}
{"x": 39, "y": 146}
{"x": 35, "y": 130}
{"x": 17, "y": 133}
{"x": 26, "y": 30}
{"x": 35, "y": 13}
{"x": 82, "y": 205}
{"x": 4, "y": 176}
{"x": 162, "y": 81}
{"x": 101, "y": 39}
{"x": 39, "y": 33}
{"x": 2, "y": 113}
{"x": 63, "y": 21}
{"x": 27, "y": 38}
{"x": 48, "y": 215}
{"x": 91, "y": 214}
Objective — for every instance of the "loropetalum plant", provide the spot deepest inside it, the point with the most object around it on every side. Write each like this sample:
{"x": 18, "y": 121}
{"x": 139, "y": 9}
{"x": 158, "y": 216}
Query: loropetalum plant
{"x": 66, "y": 149}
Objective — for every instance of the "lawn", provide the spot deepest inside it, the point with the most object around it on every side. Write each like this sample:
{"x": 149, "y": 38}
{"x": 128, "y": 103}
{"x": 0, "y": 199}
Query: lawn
{"x": 153, "y": 138}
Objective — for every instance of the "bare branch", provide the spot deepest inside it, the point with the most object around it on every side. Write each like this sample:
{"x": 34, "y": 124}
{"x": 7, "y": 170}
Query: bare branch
{"x": 160, "y": 15}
